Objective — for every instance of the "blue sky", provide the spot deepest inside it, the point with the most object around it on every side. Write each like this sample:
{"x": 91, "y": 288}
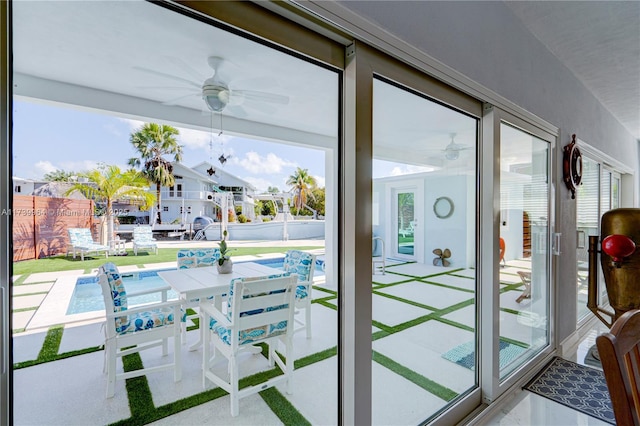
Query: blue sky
{"x": 48, "y": 138}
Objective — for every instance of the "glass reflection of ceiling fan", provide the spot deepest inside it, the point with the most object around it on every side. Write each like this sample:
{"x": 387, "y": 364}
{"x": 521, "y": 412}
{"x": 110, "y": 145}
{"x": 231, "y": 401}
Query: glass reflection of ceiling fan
{"x": 452, "y": 151}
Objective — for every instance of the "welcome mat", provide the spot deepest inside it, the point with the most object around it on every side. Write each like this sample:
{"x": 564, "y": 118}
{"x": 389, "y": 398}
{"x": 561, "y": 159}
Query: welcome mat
{"x": 576, "y": 386}
{"x": 465, "y": 354}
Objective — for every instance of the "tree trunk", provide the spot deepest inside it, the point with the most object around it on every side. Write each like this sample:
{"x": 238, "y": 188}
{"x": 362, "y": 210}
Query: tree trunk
{"x": 110, "y": 235}
{"x": 159, "y": 219}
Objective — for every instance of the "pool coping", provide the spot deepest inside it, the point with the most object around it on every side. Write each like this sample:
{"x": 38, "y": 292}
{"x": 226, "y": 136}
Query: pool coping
{"x": 53, "y": 309}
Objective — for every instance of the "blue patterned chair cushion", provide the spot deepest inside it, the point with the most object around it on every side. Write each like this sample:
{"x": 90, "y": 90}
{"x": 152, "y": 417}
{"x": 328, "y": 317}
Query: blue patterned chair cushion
{"x": 301, "y": 263}
{"x": 197, "y": 258}
{"x": 143, "y": 235}
{"x": 81, "y": 238}
{"x": 118, "y": 294}
{"x": 146, "y": 320}
{"x": 252, "y": 334}
{"x": 136, "y": 322}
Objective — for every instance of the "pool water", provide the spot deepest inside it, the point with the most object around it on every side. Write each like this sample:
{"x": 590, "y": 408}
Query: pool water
{"x": 87, "y": 295}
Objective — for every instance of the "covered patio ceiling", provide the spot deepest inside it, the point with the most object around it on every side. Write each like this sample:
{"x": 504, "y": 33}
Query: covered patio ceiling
{"x": 141, "y": 61}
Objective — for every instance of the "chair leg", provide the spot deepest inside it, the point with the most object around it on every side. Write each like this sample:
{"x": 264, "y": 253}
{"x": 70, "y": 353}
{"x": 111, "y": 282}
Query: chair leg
{"x": 307, "y": 321}
{"x": 289, "y": 365}
{"x": 111, "y": 369}
{"x": 235, "y": 401}
{"x": 177, "y": 359}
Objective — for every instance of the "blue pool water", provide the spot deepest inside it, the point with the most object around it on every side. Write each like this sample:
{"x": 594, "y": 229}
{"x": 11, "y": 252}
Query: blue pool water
{"x": 87, "y": 295}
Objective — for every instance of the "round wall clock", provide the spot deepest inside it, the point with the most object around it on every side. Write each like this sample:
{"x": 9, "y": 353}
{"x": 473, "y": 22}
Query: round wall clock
{"x": 443, "y": 207}
{"x": 572, "y": 166}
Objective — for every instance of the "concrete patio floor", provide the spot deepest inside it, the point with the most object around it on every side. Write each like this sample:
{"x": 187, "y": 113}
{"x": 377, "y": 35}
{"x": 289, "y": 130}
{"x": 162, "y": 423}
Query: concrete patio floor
{"x": 419, "y": 313}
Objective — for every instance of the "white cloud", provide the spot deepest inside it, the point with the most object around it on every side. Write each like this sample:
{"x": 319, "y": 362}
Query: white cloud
{"x": 43, "y": 167}
{"x": 261, "y": 184}
{"x": 320, "y": 182}
{"x": 133, "y": 124}
{"x": 257, "y": 164}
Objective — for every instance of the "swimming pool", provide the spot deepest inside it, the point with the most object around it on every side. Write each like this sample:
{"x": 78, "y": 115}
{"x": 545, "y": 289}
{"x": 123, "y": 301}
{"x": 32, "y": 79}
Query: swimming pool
{"x": 87, "y": 295}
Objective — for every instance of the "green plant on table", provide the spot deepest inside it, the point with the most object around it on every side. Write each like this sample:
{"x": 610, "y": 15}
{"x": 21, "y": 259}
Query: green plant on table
{"x": 224, "y": 249}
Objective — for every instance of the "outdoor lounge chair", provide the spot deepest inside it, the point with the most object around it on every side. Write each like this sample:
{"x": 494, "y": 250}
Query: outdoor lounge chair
{"x": 81, "y": 241}
{"x": 303, "y": 264}
{"x": 133, "y": 329}
{"x": 143, "y": 239}
{"x": 259, "y": 310}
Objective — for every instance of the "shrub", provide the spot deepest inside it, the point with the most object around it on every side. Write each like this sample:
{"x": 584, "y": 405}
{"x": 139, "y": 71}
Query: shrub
{"x": 242, "y": 218}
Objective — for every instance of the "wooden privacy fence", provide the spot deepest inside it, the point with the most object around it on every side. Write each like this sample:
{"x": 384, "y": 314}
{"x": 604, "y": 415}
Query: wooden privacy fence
{"x": 40, "y": 224}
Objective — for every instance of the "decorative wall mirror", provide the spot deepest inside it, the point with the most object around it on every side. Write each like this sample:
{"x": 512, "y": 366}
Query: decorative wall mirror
{"x": 443, "y": 207}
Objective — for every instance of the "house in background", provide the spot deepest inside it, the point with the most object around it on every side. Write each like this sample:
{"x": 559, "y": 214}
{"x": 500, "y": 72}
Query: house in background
{"x": 203, "y": 190}
{"x": 243, "y": 191}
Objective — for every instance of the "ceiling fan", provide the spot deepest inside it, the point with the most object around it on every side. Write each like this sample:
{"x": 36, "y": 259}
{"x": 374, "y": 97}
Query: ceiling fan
{"x": 452, "y": 151}
{"x": 219, "y": 94}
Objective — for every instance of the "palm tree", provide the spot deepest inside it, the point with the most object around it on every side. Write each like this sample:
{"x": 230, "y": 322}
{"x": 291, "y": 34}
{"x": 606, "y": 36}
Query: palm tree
{"x": 152, "y": 141}
{"x": 109, "y": 183}
{"x": 302, "y": 184}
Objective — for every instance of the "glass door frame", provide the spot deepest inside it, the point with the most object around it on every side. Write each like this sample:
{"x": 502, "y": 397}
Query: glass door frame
{"x": 492, "y": 386}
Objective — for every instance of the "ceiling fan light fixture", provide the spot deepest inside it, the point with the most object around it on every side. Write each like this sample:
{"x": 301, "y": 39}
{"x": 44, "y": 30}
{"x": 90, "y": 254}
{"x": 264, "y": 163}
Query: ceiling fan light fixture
{"x": 452, "y": 154}
{"x": 215, "y": 95}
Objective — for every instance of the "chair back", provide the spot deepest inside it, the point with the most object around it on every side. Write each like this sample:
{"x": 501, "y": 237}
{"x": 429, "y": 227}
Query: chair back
{"x": 197, "y": 258}
{"x": 114, "y": 294}
{"x": 260, "y": 308}
{"x": 301, "y": 263}
{"x": 619, "y": 351}
{"x": 80, "y": 236}
{"x": 143, "y": 234}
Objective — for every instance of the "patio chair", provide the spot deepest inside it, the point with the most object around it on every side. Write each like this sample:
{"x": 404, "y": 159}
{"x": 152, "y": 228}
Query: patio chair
{"x": 378, "y": 261}
{"x": 195, "y": 258}
{"x": 81, "y": 241}
{"x": 303, "y": 264}
{"x": 259, "y": 310}
{"x": 143, "y": 239}
{"x": 619, "y": 351}
{"x": 134, "y": 329}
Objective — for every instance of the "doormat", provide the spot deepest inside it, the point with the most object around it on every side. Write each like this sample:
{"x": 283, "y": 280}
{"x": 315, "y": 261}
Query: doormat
{"x": 575, "y": 386}
{"x": 465, "y": 354}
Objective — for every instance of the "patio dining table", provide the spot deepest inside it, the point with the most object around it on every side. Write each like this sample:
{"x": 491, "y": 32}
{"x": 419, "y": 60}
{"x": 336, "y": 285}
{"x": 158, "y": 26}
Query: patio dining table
{"x": 200, "y": 283}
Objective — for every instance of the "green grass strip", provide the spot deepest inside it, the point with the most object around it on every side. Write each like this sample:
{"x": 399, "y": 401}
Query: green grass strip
{"x": 51, "y": 344}
{"x": 138, "y": 391}
{"x": 316, "y": 357}
{"x": 429, "y": 385}
{"x": 447, "y": 286}
{"x": 63, "y": 355}
{"x": 326, "y": 304}
{"x": 326, "y": 290}
{"x": 21, "y": 280}
{"x": 407, "y": 301}
{"x": 282, "y": 408}
{"x": 34, "y": 308}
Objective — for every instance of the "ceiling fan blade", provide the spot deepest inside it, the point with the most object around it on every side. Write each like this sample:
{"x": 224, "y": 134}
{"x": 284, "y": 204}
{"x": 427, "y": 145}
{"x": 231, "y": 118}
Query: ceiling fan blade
{"x": 445, "y": 262}
{"x": 188, "y": 69}
{"x": 262, "y": 82}
{"x": 263, "y": 96}
{"x": 437, "y": 252}
{"x": 169, "y": 76}
{"x": 236, "y": 111}
{"x": 447, "y": 253}
{"x": 172, "y": 88}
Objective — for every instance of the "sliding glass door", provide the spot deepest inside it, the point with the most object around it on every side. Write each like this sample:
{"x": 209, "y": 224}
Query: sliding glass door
{"x": 424, "y": 307}
{"x": 524, "y": 284}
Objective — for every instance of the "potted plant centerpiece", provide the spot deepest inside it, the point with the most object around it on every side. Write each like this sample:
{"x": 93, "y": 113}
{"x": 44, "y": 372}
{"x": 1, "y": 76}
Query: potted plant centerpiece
{"x": 225, "y": 265}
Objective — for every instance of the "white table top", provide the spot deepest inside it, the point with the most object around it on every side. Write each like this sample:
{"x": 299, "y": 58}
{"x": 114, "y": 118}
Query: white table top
{"x": 204, "y": 282}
